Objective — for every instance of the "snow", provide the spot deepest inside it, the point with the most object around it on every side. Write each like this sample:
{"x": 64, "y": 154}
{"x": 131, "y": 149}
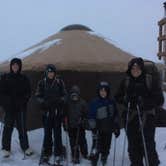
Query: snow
{"x": 108, "y": 40}
{"x": 164, "y": 105}
{"x": 39, "y": 48}
{"x": 36, "y": 137}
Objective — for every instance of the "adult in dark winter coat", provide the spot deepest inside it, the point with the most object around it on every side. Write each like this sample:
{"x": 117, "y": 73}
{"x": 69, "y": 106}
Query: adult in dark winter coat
{"x": 15, "y": 92}
{"x": 51, "y": 95}
{"x": 76, "y": 114}
{"x": 134, "y": 91}
{"x": 103, "y": 121}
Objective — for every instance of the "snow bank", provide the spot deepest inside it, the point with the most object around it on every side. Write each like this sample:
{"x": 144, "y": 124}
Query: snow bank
{"x": 39, "y": 48}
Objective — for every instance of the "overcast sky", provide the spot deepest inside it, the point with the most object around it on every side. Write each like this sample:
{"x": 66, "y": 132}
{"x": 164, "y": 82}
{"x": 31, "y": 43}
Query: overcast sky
{"x": 131, "y": 24}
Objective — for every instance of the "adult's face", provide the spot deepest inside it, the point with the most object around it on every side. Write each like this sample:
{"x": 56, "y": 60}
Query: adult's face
{"x": 136, "y": 71}
{"x": 15, "y": 67}
{"x": 51, "y": 75}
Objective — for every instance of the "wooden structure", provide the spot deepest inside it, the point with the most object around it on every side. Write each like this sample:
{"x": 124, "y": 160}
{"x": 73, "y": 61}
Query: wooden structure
{"x": 162, "y": 36}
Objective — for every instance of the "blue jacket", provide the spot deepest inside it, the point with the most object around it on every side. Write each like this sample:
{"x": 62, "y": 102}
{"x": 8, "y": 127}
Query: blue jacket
{"x": 103, "y": 114}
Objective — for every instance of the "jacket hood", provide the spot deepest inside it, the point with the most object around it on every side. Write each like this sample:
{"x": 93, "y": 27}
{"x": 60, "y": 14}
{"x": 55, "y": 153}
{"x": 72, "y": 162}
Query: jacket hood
{"x": 18, "y": 62}
{"x": 138, "y": 61}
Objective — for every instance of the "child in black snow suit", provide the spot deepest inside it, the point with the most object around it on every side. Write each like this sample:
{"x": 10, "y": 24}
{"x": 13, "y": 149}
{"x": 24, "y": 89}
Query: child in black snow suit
{"x": 76, "y": 114}
{"x": 103, "y": 121}
{"x": 15, "y": 92}
{"x": 51, "y": 94}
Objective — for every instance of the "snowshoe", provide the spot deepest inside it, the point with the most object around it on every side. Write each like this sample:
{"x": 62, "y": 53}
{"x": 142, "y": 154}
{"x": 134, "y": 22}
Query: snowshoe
{"x": 103, "y": 160}
{"x": 44, "y": 160}
{"x": 94, "y": 162}
{"x": 58, "y": 161}
{"x": 5, "y": 153}
{"x": 64, "y": 153}
{"x": 75, "y": 161}
{"x": 28, "y": 152}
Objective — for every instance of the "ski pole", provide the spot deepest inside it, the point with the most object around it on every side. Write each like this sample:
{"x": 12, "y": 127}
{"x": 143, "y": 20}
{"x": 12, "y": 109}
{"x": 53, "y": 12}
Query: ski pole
{"x": 114, "y": 156}
{"x": 42, "y": 149}
{"x": 1, "y": 127}
{"x": 143, "y": 137}
{"x": 67, "y": 143}
{"x": 67, "y": 146}
{"x": 125, "y": 136}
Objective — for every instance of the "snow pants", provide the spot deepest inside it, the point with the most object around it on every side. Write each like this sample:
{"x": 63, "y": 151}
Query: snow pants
{"x": 52, "y": 133}
{"x": 78, "y": 142}
{"x": 9, "y": 121}
{"x": 135, "y": 143}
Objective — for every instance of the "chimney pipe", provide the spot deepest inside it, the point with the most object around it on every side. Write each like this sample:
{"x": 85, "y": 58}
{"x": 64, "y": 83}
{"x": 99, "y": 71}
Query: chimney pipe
{"x": 164, "y": 9}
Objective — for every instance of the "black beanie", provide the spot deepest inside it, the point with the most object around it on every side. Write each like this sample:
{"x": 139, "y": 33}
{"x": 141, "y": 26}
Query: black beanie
{"x": 17, "y": 61}
{"x": 50, "y": 68}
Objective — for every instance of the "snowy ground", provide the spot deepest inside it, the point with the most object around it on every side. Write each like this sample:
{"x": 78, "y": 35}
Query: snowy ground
{"x": 35, "y": 138}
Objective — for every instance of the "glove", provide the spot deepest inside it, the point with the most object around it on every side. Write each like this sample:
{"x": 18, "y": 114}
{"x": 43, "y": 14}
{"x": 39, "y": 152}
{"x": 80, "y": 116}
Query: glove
{"x": 117, "y": 132}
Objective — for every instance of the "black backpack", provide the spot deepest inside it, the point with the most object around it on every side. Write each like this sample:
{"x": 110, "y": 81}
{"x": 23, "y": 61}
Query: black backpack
{"x": 152, "y": 76}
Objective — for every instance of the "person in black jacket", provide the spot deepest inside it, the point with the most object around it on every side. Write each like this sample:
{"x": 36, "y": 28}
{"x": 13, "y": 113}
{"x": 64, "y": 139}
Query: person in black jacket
{"x": 134, "y": 92}
{"x": 51, "y": 94}
{"x": 103, "y": 121}
{"x": 15, "y": 92}
{"x": 76, "y": 114}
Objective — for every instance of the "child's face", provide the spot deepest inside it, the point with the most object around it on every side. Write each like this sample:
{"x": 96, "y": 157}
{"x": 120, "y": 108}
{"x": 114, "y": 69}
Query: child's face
{"x": 103, "y": 93}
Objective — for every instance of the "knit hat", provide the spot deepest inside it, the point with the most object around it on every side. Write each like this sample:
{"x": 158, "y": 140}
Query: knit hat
{"x": 103, "y": 85}
{"x": 50, "y": 68}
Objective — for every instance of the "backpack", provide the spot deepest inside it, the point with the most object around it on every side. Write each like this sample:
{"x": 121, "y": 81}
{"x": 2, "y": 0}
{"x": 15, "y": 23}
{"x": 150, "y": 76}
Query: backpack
{"x": 152, "y": 75}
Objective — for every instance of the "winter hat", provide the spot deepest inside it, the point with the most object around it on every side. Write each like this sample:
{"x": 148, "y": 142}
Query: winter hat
{"x": 135, "y": 61}
{"x": 50, "y": 68}
{"x": 103, "y": 85}
{"x": 17, "y": 61}
{"x": 75, "y": 91}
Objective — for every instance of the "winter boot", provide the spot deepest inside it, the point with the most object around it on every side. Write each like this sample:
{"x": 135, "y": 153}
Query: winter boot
{"x": 93, "y": 154}
{"x": 44, "y": 159}
{"x": 64, "y": 153}
{"x": 94, "y": 158}
{"x": 76, "y": 161}
{"x": 28, "y": 152}
{"x": 57, "y": 160}
{"x": 5, "y": 153}
{"x": 103, "y": 160}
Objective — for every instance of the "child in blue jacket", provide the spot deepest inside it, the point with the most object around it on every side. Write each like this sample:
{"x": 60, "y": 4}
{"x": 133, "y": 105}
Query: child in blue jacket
{"x": 103, "y": 121}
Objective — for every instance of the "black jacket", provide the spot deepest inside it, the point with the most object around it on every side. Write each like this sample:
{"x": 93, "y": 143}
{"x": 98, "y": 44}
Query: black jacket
{"x": 15, "y": 90}
{"x": 51, "y": 93}
{"x": 136, "y": 91}
{"x": 76, "y": 112}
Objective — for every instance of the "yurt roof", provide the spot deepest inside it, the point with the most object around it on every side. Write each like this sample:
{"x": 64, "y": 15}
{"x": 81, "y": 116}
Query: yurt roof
{"x": 76, "y": 49}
